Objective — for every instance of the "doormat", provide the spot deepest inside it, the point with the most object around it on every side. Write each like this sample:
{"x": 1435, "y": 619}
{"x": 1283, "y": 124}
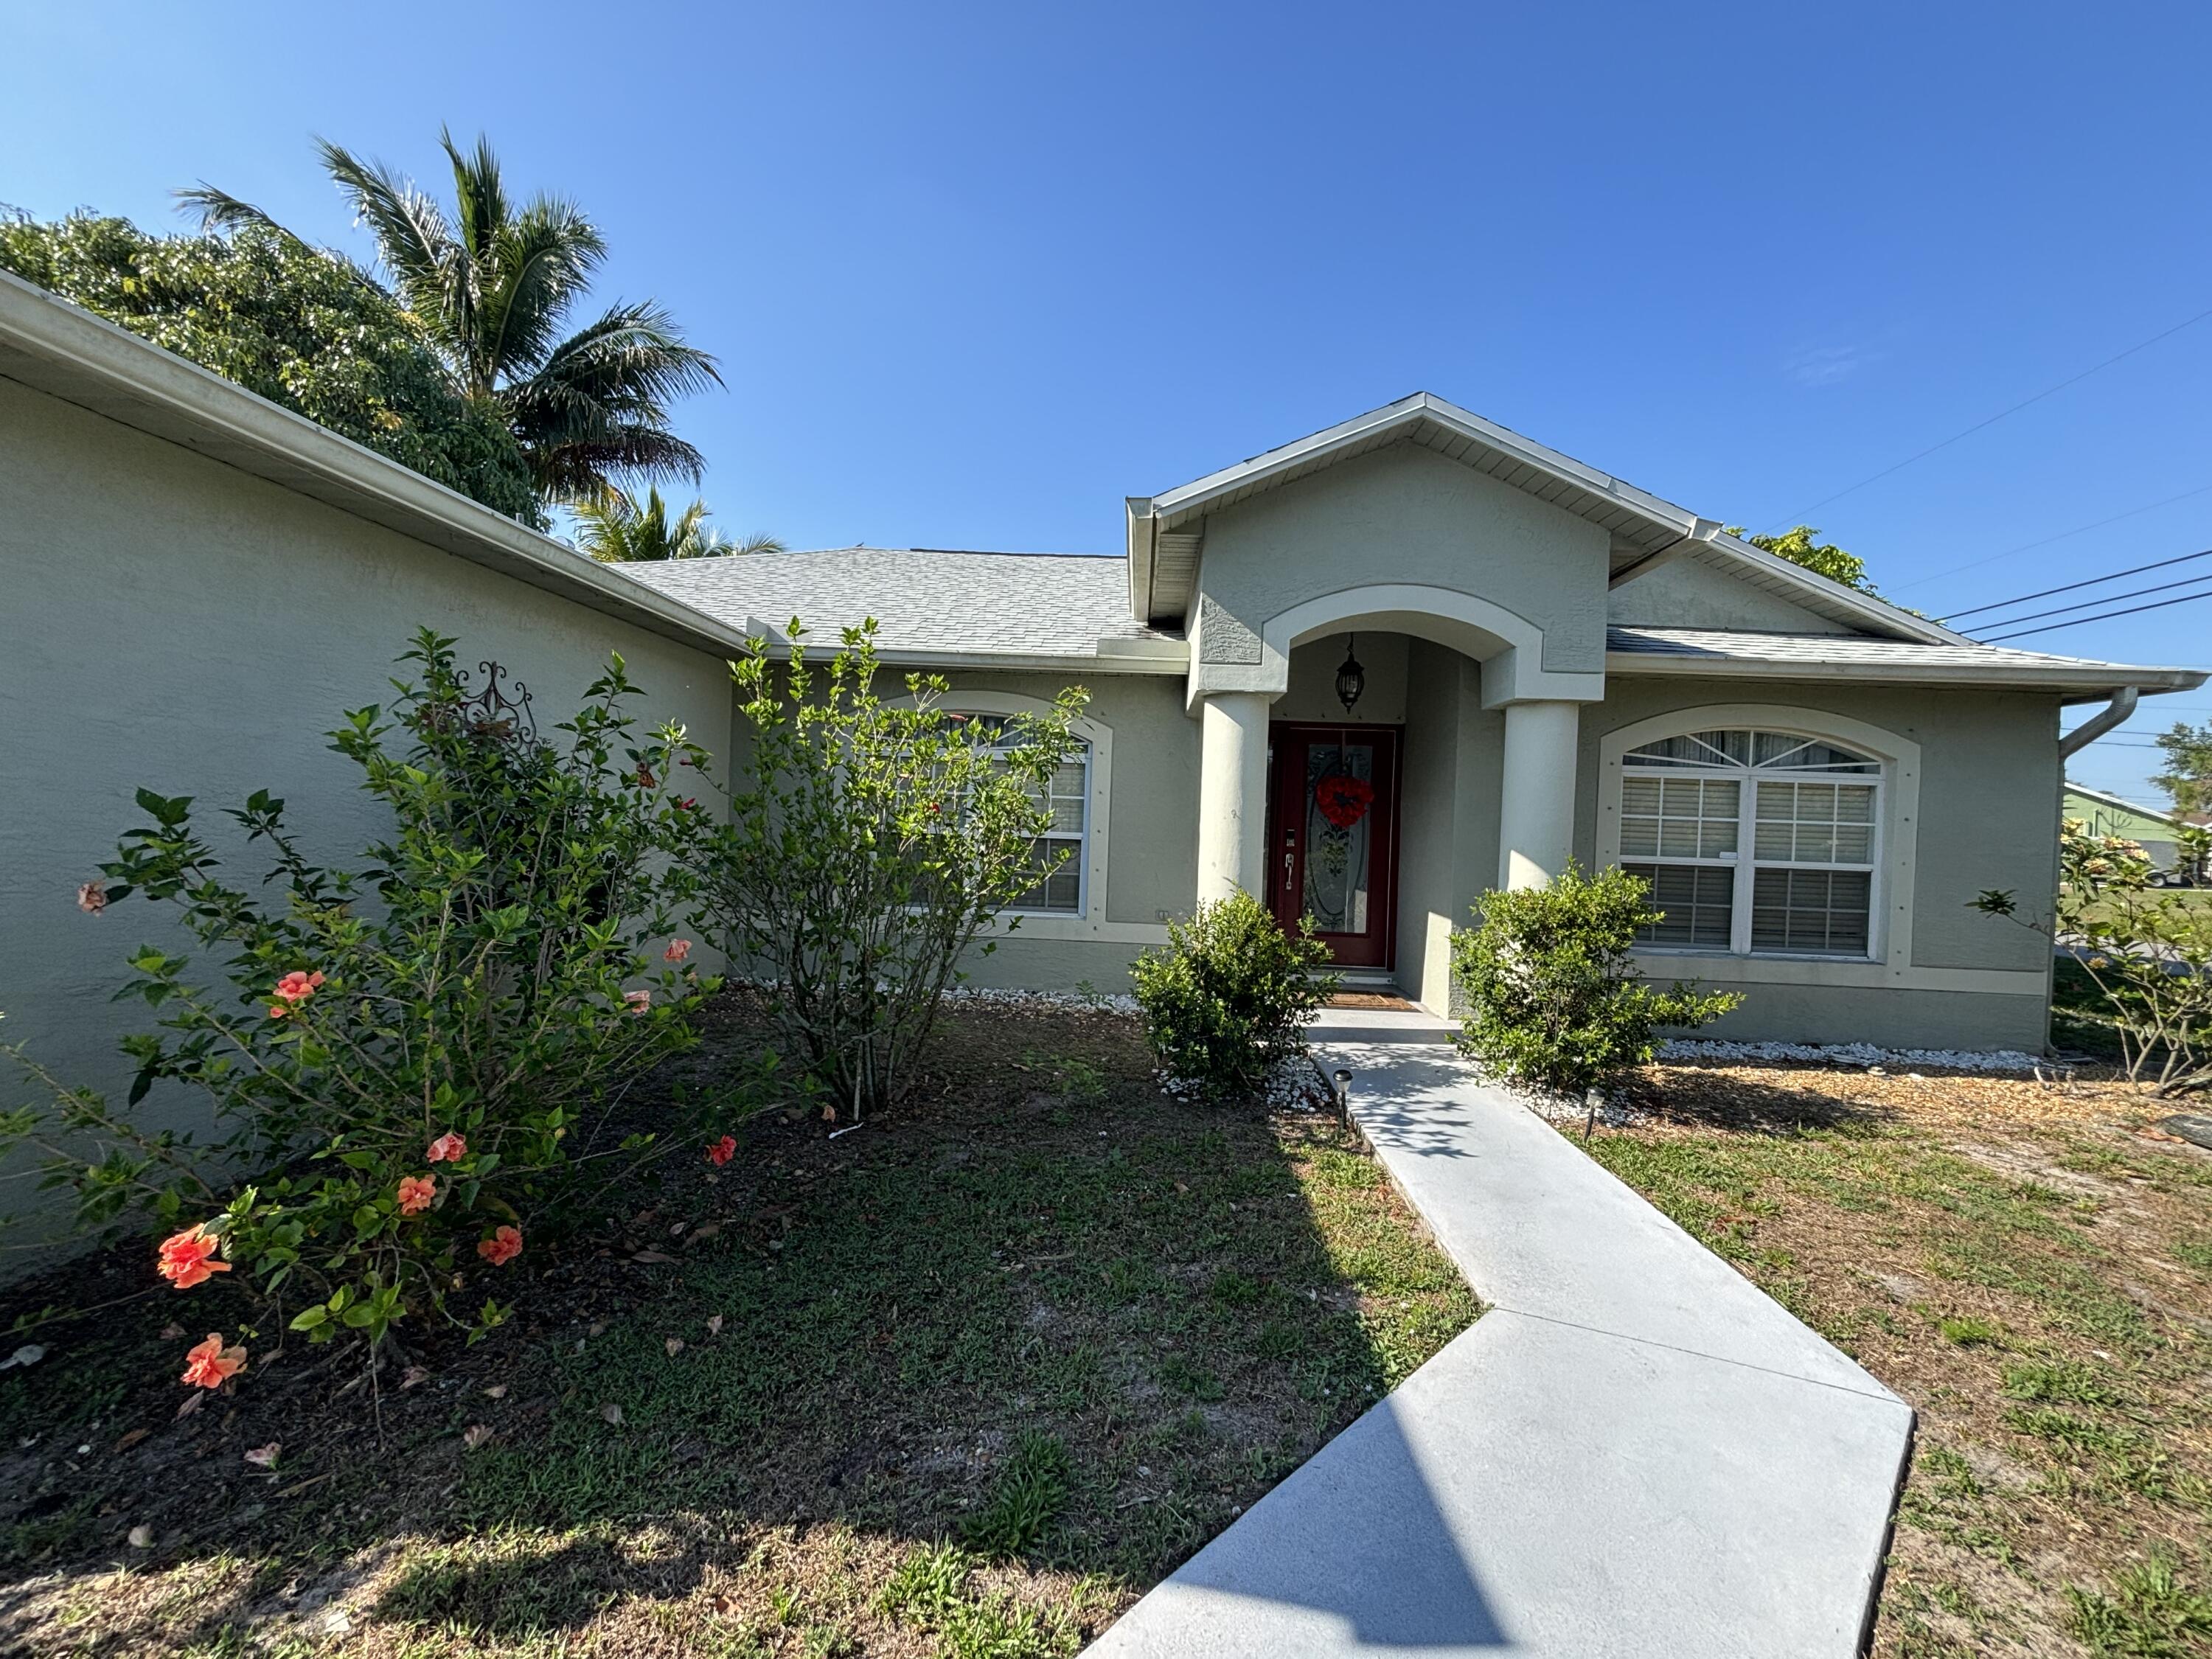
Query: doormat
{"x": 1389, "y": 1000}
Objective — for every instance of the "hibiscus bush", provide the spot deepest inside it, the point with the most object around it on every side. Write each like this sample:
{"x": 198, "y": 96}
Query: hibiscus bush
{"x": 868, "y": 846}
{"x": 417, "y": 1063}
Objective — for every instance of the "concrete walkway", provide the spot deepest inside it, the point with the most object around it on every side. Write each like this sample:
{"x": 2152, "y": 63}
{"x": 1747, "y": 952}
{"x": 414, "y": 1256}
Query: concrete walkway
{"x": 1634, "y": 1452}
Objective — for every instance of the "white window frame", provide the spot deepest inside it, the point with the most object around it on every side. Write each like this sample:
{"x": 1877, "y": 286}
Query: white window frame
{"x": 1889, "y": 942}
{"x": 1090, "y": 921}
{"x": 1078, "y": 857}
{"x": 1745, "y": 862}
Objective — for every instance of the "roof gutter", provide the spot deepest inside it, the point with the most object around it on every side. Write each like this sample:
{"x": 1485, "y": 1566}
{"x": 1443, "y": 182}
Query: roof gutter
{"x": 2122, "y": 705}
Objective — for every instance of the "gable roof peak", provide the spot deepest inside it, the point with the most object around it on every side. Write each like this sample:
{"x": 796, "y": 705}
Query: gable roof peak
{"x": 1164, "y": 531}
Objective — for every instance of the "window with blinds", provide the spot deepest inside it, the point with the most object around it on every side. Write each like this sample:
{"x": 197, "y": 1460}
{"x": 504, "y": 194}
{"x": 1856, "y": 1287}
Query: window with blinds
{"x": 1067, "y": 796}
{"x": 1753, "y": 841}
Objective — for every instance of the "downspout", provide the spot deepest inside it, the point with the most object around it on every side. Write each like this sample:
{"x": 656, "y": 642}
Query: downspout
{"x": 2122, "y": 705}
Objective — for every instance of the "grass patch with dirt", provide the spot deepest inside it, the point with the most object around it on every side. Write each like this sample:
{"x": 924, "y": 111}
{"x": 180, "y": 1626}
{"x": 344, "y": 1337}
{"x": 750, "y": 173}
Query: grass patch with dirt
{"x": 2028, "y": 1264}
{"x": 963, "y": 1382}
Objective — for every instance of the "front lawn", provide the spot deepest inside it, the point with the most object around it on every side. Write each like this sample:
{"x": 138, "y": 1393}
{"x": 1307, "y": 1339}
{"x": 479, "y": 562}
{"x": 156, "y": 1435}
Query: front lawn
{"x": 965, "y": 1381}
{"x": 2032, "y": 1271}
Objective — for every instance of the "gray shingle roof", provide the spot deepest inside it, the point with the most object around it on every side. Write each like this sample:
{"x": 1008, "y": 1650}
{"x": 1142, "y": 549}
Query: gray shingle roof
{"x": 1902, "y": 660}
{"x": 924, "y": 599}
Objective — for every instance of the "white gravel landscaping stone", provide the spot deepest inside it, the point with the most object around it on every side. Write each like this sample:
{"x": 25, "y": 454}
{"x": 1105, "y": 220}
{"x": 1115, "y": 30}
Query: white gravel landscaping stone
{"x": 1851, "y": 1054}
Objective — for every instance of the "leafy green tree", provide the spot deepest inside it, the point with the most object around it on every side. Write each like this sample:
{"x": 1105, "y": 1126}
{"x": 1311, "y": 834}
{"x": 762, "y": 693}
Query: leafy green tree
{"x": 616, "y": 529}
{"x": 2188, "y": 775}
{"x": 494, "y": 286}
{"x": 297, "y": 326}
{"x": 1803, "y": 546}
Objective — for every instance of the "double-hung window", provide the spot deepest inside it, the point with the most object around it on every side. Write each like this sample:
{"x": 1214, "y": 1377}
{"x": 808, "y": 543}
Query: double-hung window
{"x": 1067, "y": 797}
{"x": 1754, "y": 842}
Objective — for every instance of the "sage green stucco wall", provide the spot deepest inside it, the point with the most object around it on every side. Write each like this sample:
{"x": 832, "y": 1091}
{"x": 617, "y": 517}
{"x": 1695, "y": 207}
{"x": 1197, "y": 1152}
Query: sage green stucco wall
{"x": 1685, "y": 595}
{"x": 1448, "y": 832}
{"x": 1403, "y": 515}
{"x": 1988, "y": 814}
{"x": 175, "y": 623}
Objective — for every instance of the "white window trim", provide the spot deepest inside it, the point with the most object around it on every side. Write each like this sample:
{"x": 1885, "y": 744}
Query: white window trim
{"x": 1089, "y": 920}
{"x": 1897, "y": 816}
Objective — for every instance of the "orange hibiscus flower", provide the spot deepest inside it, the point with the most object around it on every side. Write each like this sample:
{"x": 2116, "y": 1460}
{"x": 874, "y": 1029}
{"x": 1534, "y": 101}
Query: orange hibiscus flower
{"x": 448, "y": 1148}
{"x": 209, "y": 1364}
{"x": 188, "y": 1258}
{"x": 721, "y": 1152}
{"x": 417, "y": 1194}
{"x": 503, "y": 1247}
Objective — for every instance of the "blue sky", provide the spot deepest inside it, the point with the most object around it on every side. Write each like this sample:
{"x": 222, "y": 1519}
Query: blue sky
{"x": 975, "y": 272}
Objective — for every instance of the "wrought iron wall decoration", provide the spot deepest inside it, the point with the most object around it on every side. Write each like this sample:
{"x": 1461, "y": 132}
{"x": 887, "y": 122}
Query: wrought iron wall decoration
{"x": 492, "y": 712}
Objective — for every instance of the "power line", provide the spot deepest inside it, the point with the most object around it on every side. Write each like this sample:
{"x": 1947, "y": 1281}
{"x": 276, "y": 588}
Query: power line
{"x": 2106, "y": 616}
{"x": 2091, "y": 581}
{"x": 2029, "y": 547}
{"x": 1922, "y": 455}
{"x": 2102, "y": 598}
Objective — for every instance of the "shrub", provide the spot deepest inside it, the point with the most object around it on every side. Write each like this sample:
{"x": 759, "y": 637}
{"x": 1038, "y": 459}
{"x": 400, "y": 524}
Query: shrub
{"x": 1230, "y": 995}
{"x": 867, "y": 847}
{"x": 2148, "y": 953}
{"x": 1553, "y": 998}
{"x": 415, "y": 1067}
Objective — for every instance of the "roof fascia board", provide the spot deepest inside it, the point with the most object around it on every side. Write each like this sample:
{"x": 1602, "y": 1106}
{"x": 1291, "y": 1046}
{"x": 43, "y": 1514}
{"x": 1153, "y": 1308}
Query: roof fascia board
{"x": 1164, "y": 663}
{"x": 2093, "y": 679}
{"x": 167, "y": 397}
{"x": 1143, "y": 532}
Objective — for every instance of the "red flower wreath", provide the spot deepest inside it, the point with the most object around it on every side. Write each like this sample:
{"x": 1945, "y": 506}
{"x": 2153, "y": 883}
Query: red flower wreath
{"x": 1344, "y": 800}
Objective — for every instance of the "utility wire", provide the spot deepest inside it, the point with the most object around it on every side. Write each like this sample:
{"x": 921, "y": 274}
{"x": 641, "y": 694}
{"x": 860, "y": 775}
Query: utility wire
{"x": 2104, "y": 599}
{"x": 2091, "y": 581}
{"x": 2029, "y": 547}
{"x": 1922, "y": 455}
{"x": 2105, "y": 616}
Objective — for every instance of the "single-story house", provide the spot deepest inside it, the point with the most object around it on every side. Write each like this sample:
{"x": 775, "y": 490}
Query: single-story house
{"x": 1372, "y": 673}
{"x": 2158, "y": 833}
{"x": 1365, "y": 676}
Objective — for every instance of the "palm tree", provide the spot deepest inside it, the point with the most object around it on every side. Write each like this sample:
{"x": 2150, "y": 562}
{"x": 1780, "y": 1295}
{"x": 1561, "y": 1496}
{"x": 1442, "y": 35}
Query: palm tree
{"x": 493, "y": 287}
{"x": 614, "y": 529}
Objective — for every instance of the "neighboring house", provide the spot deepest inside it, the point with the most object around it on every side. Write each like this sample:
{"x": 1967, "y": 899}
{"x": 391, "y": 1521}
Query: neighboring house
{"x": 1553, "y": 664}
{"x": 2109, "y": 815}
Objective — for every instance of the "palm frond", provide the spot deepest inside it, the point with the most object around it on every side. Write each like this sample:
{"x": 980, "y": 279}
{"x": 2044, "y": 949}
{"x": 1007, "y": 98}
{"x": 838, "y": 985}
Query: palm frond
{"x": 632, "y": 358}
{"x": 539, "y": 264}
{"x": 481, "y": 210}
{"x": 413, "y": 240}
{"x": 759, "y": 542}
{"x": 615, "y": 529}
{"x": 219, "y": 211}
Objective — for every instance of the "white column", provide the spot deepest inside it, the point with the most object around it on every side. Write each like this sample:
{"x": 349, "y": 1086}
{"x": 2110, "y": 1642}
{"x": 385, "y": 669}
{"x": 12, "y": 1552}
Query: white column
{"x": 1536, "y": 800}
{"x": 1232, "y": 793}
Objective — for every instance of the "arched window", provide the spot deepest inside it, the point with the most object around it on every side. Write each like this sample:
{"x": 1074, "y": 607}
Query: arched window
{"x": 1754, "y": 841}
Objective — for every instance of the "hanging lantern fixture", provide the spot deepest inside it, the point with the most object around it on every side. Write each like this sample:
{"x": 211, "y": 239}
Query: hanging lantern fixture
{"x": 1350, "y": 679}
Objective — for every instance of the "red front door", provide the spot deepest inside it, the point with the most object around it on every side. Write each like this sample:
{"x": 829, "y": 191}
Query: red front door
{"x": 1333, "y": 836}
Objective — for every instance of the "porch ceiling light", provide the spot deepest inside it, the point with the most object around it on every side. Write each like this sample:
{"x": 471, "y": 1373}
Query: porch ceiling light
{"x": 1350, "y": 679}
